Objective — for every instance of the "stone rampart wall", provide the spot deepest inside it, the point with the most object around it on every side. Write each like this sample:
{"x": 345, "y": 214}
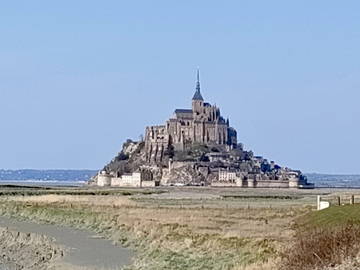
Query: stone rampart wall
{"x": 254, "y": 184}
{"x": 145, "y": 184}
{"x": 223, "y": 184}
{"x": 103, "y": 180}
{"x": 272, "y": 184}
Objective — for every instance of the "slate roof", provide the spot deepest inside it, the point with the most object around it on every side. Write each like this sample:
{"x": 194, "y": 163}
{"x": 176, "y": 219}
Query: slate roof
{"x": 198, "y": 96}
{"x": 183, "y": 111}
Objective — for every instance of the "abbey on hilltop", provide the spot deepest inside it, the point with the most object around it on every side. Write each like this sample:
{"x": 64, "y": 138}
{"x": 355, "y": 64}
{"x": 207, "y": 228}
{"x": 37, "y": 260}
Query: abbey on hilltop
{"x": 195, "y": 146}
{"x": 203, "y": 124}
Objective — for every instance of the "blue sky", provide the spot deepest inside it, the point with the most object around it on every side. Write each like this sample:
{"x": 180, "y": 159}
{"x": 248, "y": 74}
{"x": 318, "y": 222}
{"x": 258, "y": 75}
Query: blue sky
{"x": 79, "y": 77}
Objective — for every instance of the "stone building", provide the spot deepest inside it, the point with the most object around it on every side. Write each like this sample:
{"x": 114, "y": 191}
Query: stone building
{"x": 198, "y": 147}
{"x": 202, "y": 124}
{"x": 227, "y": 176}
{"x": 135, "y": 179}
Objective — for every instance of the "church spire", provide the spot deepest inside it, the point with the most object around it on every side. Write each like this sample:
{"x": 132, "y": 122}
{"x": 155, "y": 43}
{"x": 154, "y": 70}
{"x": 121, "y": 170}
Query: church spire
{"x": 197, "y": 95}
{"x": 198, "y": 80}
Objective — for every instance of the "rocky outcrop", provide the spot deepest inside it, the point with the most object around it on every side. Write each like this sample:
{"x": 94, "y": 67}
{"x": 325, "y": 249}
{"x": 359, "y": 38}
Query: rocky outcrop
{"x": 184, "y": 174}
{"x": 196, "y": 146}
{"x": 202, "y": 165}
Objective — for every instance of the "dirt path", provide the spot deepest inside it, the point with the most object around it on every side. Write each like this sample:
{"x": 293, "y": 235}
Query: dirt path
{"x": 85, "y": 249}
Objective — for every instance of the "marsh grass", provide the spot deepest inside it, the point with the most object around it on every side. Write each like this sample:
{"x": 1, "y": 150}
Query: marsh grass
{"x": 168, "y": 234}
{"x": 13, "y": 190}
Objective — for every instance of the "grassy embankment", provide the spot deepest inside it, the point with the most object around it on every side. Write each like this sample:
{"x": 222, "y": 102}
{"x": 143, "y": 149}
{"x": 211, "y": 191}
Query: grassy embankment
{"x": 171, "y": 233}
{"x": 325, "y": 239}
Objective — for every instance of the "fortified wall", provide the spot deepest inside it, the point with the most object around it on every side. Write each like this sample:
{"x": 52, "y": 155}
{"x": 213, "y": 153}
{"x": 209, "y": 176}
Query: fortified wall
{"x": 136, "y": 179}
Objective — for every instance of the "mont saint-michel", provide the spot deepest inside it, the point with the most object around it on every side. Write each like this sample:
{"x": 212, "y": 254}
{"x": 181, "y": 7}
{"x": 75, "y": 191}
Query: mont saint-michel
{"x": 196, "y": 146}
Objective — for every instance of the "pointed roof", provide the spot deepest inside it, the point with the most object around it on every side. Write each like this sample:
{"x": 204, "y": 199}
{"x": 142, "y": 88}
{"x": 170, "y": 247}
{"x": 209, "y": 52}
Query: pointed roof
{"x": 197, "y": 95}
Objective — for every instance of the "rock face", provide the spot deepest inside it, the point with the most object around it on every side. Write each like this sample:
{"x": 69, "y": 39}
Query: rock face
{"x": 196, "y": 147}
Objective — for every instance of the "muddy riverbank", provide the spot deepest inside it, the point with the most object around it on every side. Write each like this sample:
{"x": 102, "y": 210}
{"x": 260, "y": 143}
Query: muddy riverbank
{"x": 80, "y": 249}
{"x": 21, "y": 250}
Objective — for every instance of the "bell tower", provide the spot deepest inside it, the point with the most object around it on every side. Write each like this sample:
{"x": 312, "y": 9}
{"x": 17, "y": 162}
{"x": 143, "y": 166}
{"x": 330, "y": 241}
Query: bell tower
{"x": 197, "y": 100}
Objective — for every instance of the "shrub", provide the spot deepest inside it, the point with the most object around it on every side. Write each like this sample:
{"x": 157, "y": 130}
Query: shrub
{"x": 122, "y": 156}
{"x": 322, "y": 246}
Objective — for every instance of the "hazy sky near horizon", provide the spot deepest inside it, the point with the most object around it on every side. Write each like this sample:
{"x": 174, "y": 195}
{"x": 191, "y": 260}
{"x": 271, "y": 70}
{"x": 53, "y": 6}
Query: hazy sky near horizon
{"x": 79, "y": 77}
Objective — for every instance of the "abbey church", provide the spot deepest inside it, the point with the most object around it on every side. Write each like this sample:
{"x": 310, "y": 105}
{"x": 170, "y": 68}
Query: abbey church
{"x": 195, "y": 146}
{"x": 203, "y": 124}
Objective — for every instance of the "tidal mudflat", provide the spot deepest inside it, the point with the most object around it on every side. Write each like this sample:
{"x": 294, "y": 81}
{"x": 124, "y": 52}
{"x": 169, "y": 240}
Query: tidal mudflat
{"x": 79, "y": 248}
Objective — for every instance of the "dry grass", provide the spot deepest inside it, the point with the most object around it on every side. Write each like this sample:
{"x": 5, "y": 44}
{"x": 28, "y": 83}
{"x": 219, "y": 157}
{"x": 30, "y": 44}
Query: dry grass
{"x": 255, "y": 223}
{"x": 172, "y": 234}
{"x": 86, "y": 200}
{"x": 347, "y": 264}
{"x": 319, "y": 248}
{"x": 325, "y": 238}
{"x": 271, "y": 264}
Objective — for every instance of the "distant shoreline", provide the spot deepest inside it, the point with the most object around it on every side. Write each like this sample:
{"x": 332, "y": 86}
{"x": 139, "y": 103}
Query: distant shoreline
{"x": 57, "y": 183}
{"x": 77, "y": 184}
{"x": 78, "y": 178}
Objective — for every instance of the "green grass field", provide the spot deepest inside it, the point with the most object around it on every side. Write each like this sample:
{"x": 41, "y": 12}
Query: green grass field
{"x": 333, "y": 216}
